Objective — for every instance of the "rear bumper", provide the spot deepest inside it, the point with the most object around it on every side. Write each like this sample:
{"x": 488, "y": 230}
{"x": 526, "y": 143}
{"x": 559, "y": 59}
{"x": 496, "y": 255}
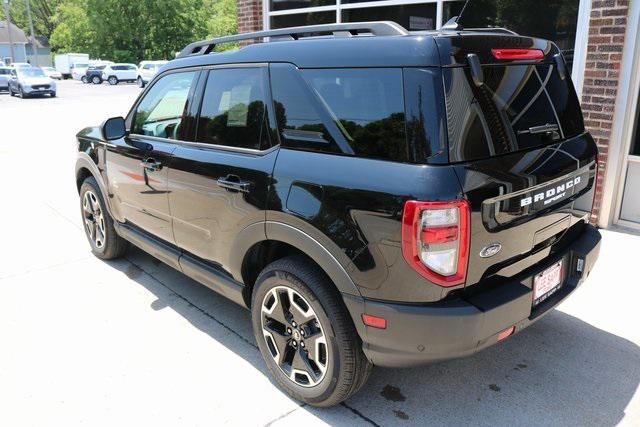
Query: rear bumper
{"x": 422, "y": 334}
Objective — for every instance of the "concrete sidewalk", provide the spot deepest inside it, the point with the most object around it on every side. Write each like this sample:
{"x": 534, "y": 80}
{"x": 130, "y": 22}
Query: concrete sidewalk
{"x": 136, "y": 342}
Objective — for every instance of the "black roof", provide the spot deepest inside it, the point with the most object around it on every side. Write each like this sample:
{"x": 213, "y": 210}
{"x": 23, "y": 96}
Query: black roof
{"x": 362, "y": 51}
{"x": 352, "y": 45}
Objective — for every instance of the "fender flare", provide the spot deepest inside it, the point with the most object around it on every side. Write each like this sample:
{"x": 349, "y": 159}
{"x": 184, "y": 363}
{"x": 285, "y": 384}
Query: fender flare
{"x": 278, "y": 231}
{"x": 84, "y": 161}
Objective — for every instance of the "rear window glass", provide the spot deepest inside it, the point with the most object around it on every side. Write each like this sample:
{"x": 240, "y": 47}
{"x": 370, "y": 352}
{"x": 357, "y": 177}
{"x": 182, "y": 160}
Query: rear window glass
{"x": 4, "y": 71}
{"x": 518, "y": 107}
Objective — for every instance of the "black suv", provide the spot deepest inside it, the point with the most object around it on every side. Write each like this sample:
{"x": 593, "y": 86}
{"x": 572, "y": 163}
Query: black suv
{"x": 94, "y": 74}
{"x": 373, "y": 196}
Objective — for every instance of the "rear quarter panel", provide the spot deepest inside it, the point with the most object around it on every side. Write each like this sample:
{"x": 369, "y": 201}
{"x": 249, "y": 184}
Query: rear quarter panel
{"x": 353, "y": 207}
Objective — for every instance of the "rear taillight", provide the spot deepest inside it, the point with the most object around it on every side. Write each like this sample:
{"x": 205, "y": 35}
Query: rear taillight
{"x": 516, "y": 54}
{"x": 435, "y": 239}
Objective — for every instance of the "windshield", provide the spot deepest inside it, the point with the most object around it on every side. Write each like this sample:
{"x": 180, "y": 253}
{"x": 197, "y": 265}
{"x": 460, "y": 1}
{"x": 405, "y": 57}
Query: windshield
{"x": 31, "y": 72}
{"x": 80, "y": 65}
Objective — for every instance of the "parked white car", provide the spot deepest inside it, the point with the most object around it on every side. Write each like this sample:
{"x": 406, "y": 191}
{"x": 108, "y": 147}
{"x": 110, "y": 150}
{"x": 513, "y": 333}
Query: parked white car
{"x": 52, "y": 73}
{"x": 79, "y": 71}
{"x": 117, "y": 73}
{"x": 147, "y": 70}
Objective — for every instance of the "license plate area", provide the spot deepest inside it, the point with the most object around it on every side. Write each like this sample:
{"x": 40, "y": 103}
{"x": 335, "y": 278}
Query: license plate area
{"x": 547, "y": 283}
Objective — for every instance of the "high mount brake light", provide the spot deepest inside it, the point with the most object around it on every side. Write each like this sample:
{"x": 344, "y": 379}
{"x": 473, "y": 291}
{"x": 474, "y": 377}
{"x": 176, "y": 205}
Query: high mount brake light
{"x": 515, "y": 54}
{"x": 435, "y": 240}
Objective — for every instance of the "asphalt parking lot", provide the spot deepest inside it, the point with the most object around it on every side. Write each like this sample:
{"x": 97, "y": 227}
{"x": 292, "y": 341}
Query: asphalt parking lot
{"x": 130, "y": 342}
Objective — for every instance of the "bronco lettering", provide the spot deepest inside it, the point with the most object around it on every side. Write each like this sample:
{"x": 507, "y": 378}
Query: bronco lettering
{"x": 552, "y": 194}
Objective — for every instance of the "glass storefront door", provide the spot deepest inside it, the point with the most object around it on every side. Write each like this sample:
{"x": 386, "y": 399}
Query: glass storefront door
{"x": 630, "y": 207}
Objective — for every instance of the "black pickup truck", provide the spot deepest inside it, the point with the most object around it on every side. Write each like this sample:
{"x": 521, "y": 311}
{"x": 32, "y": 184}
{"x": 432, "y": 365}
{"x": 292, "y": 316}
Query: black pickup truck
{"x": 374, "y": 196}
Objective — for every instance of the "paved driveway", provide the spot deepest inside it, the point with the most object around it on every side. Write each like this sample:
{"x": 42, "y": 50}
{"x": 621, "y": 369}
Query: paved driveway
{"x": 134, "y": 342}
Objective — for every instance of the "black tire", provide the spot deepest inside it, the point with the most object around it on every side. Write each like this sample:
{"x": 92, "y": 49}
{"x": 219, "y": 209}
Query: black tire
{"x": 21, "y": 93}
{"x": 113, "y": 246}
{"x": 52, "y": 94}
{"x": 140, "y": 82}
{"x": 96, "y": 80}
{"x": 11, "y": 93}
{"x": 113, "y": 80}
{"x": 347, "y": 368}
{"x": 84, "y": 79}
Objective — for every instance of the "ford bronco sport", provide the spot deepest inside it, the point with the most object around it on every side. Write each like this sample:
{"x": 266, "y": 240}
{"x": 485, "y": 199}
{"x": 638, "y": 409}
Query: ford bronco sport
{"x": 373, "y": 196}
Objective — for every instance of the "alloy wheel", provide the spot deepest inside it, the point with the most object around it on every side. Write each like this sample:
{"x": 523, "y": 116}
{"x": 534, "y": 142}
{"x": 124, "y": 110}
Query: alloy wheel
{"x": 96, "y": 80}
{"x": 93, "y": 219}
{"x": 294, "y": 336}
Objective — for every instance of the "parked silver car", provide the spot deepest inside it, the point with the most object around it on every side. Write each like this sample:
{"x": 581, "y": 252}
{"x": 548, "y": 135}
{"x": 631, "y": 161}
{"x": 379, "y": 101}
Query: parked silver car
{"x": 31, "y": 81}
{"x": 5, "y": 72}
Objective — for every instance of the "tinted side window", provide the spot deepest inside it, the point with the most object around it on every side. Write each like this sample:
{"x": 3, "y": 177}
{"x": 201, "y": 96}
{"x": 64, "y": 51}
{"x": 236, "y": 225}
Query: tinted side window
{"x": 425, "y": 114}
{"x": 368, "y": 105}
{"x": 302, "y": 122}
{"x": 161, "y": 111}
{"x": 233, "y": 111}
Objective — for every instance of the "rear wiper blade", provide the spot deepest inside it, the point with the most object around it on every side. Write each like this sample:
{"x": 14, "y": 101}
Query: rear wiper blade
{"x": 548, "y": 128}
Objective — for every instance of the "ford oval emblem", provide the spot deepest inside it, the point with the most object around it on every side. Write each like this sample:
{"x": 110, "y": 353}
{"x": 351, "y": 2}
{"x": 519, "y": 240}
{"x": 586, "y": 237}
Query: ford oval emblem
{"x": 491, "y": 250}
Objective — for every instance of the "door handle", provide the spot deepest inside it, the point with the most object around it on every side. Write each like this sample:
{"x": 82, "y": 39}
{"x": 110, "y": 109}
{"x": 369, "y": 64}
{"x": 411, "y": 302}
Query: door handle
{"x": 234, "y": 184}
{"x": 151, "y": 165}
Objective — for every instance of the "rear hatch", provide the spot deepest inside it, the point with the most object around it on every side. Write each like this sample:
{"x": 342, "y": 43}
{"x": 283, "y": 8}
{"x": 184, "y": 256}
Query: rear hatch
{"x": 517, "y": 141}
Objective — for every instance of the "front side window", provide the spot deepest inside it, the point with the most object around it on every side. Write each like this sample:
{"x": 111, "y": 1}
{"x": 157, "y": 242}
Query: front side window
{"x": 233, "y": 111}
{"x": 161, "y": 111}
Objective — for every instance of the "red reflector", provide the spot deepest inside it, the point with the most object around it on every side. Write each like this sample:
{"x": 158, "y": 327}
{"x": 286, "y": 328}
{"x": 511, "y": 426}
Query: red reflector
{"x": 439, "y": 234}
{"x": 506, "y": 333}
{"x": 374, "y": 321}
{"x": 517, "y": 53}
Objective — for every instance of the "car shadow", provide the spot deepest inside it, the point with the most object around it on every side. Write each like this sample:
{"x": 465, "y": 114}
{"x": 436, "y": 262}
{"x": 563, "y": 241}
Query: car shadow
{"x": 560, "y": 371}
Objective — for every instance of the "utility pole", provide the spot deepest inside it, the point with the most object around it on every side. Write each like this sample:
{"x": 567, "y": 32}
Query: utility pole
{"x": 34, "y": 47}
{"x": 6, "y": 14}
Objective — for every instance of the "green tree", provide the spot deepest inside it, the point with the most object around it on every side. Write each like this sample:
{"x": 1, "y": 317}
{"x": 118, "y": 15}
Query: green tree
{"x": 221, "y": 20}
{"x": 132, "y": 30}
{"x": 42, "y": 12}
{"x": 72, "y": 29}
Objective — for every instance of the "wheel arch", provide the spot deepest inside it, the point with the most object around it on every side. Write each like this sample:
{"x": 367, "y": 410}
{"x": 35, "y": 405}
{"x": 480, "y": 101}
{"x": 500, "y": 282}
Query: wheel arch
{"x": 85, "y": 168}
{"x": 260, "y": 244}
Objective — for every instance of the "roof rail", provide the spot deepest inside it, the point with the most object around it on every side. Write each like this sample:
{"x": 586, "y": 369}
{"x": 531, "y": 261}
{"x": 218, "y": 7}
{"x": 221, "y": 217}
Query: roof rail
{"x": 378, "y": 28}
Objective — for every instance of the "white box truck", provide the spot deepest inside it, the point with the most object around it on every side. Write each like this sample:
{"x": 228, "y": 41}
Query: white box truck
{"x": 65, "y": 62}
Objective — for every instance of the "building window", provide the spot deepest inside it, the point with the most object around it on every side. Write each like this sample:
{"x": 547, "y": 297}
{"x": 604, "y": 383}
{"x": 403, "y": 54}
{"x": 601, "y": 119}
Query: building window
{"x": 301, "y": 19}
{"x": 551, "y": 20}
{"x": 299, "y": 4}
{"x": 413, "y": 17}
{"x": 556, "y": 20}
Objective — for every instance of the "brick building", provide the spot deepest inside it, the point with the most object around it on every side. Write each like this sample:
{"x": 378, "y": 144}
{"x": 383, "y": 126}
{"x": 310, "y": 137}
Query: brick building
{"x": 600, "y": 40}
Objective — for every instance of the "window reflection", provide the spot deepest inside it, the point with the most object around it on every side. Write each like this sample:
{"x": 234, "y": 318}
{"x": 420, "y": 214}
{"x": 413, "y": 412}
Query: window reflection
{"x": 368, "y": 106}
{"x": 233, "y": 109}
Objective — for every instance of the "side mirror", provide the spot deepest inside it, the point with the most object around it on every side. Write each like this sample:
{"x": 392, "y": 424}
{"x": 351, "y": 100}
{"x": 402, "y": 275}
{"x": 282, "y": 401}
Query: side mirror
{"x": 114, "y": 128}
